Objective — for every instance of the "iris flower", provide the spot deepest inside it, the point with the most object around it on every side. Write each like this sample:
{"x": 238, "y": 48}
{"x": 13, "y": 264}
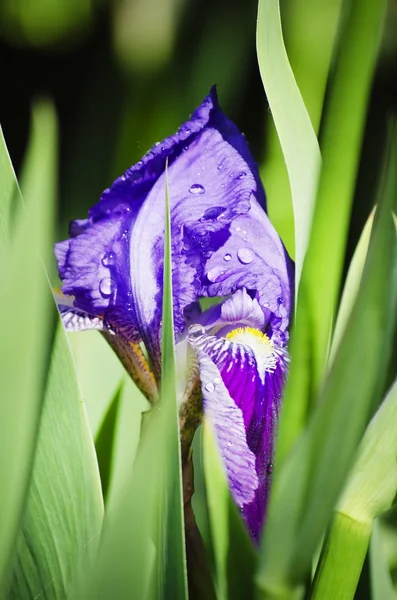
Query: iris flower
{"x": 232, "y": 357}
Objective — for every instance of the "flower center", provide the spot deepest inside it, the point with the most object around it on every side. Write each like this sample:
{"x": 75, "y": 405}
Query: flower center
{"x": 259, "y": 343}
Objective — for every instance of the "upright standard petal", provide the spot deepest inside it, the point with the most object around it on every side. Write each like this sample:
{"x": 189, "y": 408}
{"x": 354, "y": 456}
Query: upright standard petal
{"x": 221, "y": 237}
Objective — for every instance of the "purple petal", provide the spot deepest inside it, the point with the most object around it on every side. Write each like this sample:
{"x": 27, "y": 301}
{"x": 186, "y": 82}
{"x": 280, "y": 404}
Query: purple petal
{"x": 214, "y": 192}
{"x": 238, "y": 311}
{"x": 94, "y": 269}
{"x": 227, "y": 420}
{"x": 222, "y": 239}
{"x": 254, "y": 379}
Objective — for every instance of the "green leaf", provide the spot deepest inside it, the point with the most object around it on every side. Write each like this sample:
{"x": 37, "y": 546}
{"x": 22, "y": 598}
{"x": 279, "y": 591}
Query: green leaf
{"x": 342, "y": 133}
{"x": 9, "y": 190}
{"x": 372, "y": 485}
{"x": 381, "y": 582}
{"x": 343, "y": 123}
{"x": 62, "y": 523}
{"x": 302, "y": 158}
{"x": 314, "y": 474}
{"x": 26, "y": 316}
{"x": 142, "y": 552}
{"x": 174, "y": 532}
{"x": 352, "y": 285}
{"x": 235, "y": 556}
{"x": 105, "y": 441}
{"x": 297, "y": 137}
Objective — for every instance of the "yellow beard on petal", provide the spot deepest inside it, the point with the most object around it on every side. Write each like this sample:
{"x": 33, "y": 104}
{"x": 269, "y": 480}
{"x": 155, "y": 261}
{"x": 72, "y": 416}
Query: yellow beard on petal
{"x": 259, "y": 343}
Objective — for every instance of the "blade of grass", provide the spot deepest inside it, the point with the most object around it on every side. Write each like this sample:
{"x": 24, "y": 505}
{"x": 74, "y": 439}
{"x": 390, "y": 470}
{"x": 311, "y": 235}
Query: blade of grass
{"x": 342, "y": 133}
{"x": 105, "y": 440}
{"x": 303, "y": 161}
{"x": 311, "y": 479}
{"x": 26, "y": 317}
{"x": 296, "y": 134}
{"x": 63, "y": 517}
{"x": 142, "y": 552}
{"x": 381, "y": 581}
{"x": 9, "y": 190}
{"x": 234, "y": 554}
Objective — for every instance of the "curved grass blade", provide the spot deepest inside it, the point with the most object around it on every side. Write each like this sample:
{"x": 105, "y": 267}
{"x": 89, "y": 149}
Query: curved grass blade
{"x": 9, "y": 190}
{"x": 343, "y": 124}
{"x": 381, "y": 581}
{"x": 296, "y": 134}
{"x": 342, "y": 133}
{"x": 234, "y": 553}
{"x": 314, "y": 475}
{"x": 105, "y": 441}
{"x": 142, "y": 554}
{"x": 303, "y": 161}
{"x": 27, "y": 313}
{"x": 62, "y": 522}
{"x": 352, "y": 285}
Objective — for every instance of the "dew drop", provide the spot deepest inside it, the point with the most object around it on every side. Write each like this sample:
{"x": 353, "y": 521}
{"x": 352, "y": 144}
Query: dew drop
{"x": 280, "y": 300}
{"x": 197, "y": 188}
{"x": 220, "y": 166}
{"x": 210, "y": 387}
{"x": 244, "y": 232}
{"x": 106, "y": 287}
{"x": 229, "y": 444}
{"x": 238, "y": 228}
{"x": 242, "y": 175}
{"x": 269, "y": 468}
{"x": 227, "y": 257}
{"x": 213, "y": 212}
{"x": 245, "y": 256}
{"x": 217, "y": 380}
{"x": 194, "y": 332}
{"x": 108, "y": 259}
{"x": 157, "y": 144}
{"x": 214, "y": 273}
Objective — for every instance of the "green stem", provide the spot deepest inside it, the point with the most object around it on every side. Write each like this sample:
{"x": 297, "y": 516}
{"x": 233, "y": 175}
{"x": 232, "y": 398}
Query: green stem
{"x": 341, "y": 559}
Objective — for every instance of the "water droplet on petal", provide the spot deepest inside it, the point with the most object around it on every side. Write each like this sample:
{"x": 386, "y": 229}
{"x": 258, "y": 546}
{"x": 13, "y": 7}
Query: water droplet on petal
{"x": 197, "y": 188}
{"x": 245, "y": 256}
{"x": 106, "y": 287}
{"x": 220, "y": 166}
{"x": 108, "y": 259}
{"x": 213, "y": 212}
{"x": 269, "y": 468}
{"x": 210, "y": 387}
{"x": 227, "y": 257}
{"x": 242, "y": 175}
{"x": 280, "y": 300}
{"x": 229, "y": 444}
{"x": 214, "y": 273}
{"x": 217, "y": 380}
{"x": 194, "y": 332}
{"x": 244, "y": 232}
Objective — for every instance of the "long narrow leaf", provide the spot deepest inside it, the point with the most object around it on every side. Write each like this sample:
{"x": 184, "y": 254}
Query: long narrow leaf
{"x": 297, "y": 137}
{"x": 26, "y": 316}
